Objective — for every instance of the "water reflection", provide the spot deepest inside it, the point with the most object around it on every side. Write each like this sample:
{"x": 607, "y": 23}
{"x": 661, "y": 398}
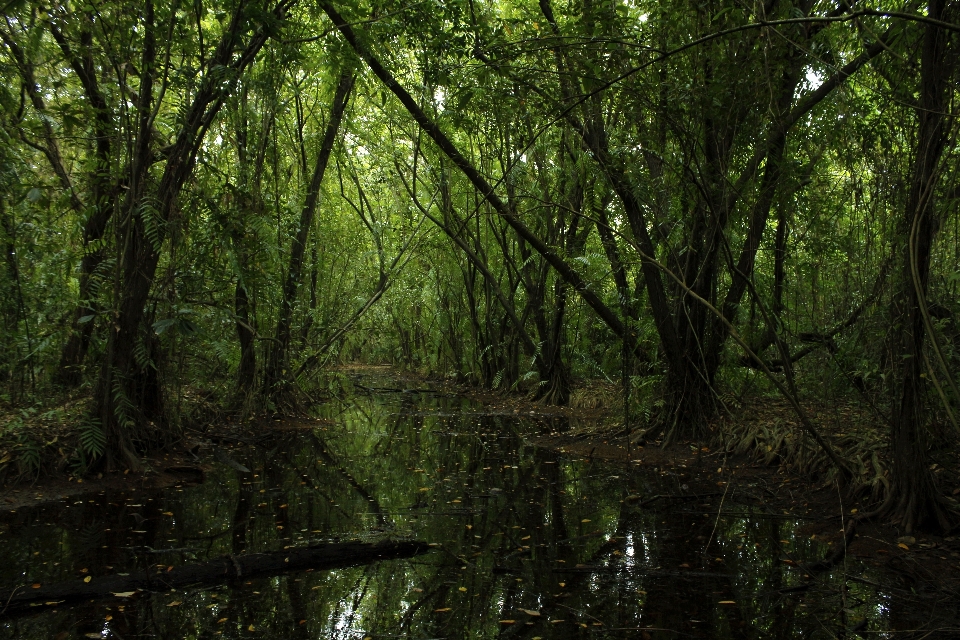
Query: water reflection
{"x": 528, "y": 543}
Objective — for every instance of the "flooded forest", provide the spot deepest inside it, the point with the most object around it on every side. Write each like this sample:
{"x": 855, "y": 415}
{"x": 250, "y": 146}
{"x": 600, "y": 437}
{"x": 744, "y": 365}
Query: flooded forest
{"x": 480, "y": 319}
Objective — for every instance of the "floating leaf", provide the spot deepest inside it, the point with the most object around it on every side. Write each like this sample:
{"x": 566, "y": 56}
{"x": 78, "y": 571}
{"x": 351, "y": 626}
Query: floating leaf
{"x": 508, "y": 622}
{"x": 87, "y": 579}
{"x": 531, "y": 612}
{"x": 175, "y": 603}
{"x": 727, "y": 602}
{"x": 124, "y": 594}
{"x": 443, "y": 610}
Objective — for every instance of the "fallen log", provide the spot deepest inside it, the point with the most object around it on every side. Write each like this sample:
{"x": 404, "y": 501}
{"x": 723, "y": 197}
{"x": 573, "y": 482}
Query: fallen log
{"x": 223, "y": 569}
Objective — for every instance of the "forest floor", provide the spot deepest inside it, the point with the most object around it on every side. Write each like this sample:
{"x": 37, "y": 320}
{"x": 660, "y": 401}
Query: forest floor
{"x": 593, "y": 432}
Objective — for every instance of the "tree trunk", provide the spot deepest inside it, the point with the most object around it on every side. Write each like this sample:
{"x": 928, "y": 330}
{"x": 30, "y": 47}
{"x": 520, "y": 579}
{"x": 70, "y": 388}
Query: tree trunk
{"x": 277, "y": 376}
{"x": 247, "y": 371}
{"x": 100, "y": 203}
{"x": 213, "y": 572}
{"x": 915, "y": 501}
{"x": 127, "y": 401}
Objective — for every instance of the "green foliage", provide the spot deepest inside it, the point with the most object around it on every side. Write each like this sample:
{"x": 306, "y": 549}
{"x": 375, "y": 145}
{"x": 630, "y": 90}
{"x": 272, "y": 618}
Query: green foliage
{"x": 596, "y": 126}
{"x": 92, "y": 439}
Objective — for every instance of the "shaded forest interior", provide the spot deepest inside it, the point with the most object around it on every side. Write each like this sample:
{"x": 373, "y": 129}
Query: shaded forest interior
{"x": 205, "y": 206}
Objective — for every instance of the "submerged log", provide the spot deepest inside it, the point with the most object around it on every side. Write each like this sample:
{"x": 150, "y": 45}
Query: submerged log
{"x": 224, "y": 569}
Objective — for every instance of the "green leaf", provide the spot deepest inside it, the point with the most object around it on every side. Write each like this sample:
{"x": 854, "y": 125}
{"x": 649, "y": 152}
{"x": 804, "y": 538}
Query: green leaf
{"x": 162, "y": 325}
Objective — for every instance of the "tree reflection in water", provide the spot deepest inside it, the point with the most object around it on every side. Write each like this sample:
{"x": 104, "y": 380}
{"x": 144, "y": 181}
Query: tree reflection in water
{"x": 528, "y": 544}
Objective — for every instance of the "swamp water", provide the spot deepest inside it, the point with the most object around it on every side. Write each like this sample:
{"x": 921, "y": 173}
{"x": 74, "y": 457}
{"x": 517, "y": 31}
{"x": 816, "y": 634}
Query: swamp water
{"x": 528, "y": 543}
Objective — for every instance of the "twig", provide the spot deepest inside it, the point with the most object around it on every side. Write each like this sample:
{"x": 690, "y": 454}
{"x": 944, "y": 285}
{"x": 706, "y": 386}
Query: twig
{"x": 717, "y": 521}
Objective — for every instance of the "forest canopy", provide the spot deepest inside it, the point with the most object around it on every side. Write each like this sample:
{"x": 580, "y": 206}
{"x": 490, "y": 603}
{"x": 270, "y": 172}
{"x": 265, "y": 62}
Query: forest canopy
{"x": 695, "y": 200}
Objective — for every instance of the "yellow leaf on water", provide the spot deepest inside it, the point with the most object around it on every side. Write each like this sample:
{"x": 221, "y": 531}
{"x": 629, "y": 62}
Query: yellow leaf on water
{"x": 508, "y": 622}
{"x": 175, "y": 603}
{"x": 903, "y": 546}
{"x": 443, "y": 610}
{"x": 87, "y": 579}
{"x": 221, "y": 620}
{"x": 123, "y": 594}
{"x": 585, "y": 520}
{"x": 462, "y": 589}
{"x": 168, "y": 513}
{"x": 251, "y": 628}
{"x": 531, "y": 612}
{"x": 727, "y": 602}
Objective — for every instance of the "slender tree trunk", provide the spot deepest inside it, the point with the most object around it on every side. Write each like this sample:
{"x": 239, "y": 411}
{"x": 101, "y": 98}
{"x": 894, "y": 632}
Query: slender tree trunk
{"x": 915, "y": 501}
{"x": 100, "y": 205}
{"x": 486, "y": 190}
{"x": 127, "y": 400}
{"x": 277, "y": 380}
{"x": 247, "y": 370}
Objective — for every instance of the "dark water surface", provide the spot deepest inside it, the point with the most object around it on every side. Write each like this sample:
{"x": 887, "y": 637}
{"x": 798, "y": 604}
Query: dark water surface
{"x": 523, "y": 535}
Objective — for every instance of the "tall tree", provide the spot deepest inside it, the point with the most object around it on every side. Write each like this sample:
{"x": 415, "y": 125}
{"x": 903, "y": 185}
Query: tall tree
{"x": 278, "y": 374}
{"x": 914, "y": 498}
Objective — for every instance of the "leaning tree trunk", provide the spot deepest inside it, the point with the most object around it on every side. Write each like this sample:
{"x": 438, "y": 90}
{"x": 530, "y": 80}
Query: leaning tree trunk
{"x": 277, "y": 376}
{"x": 915, "y": 501}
